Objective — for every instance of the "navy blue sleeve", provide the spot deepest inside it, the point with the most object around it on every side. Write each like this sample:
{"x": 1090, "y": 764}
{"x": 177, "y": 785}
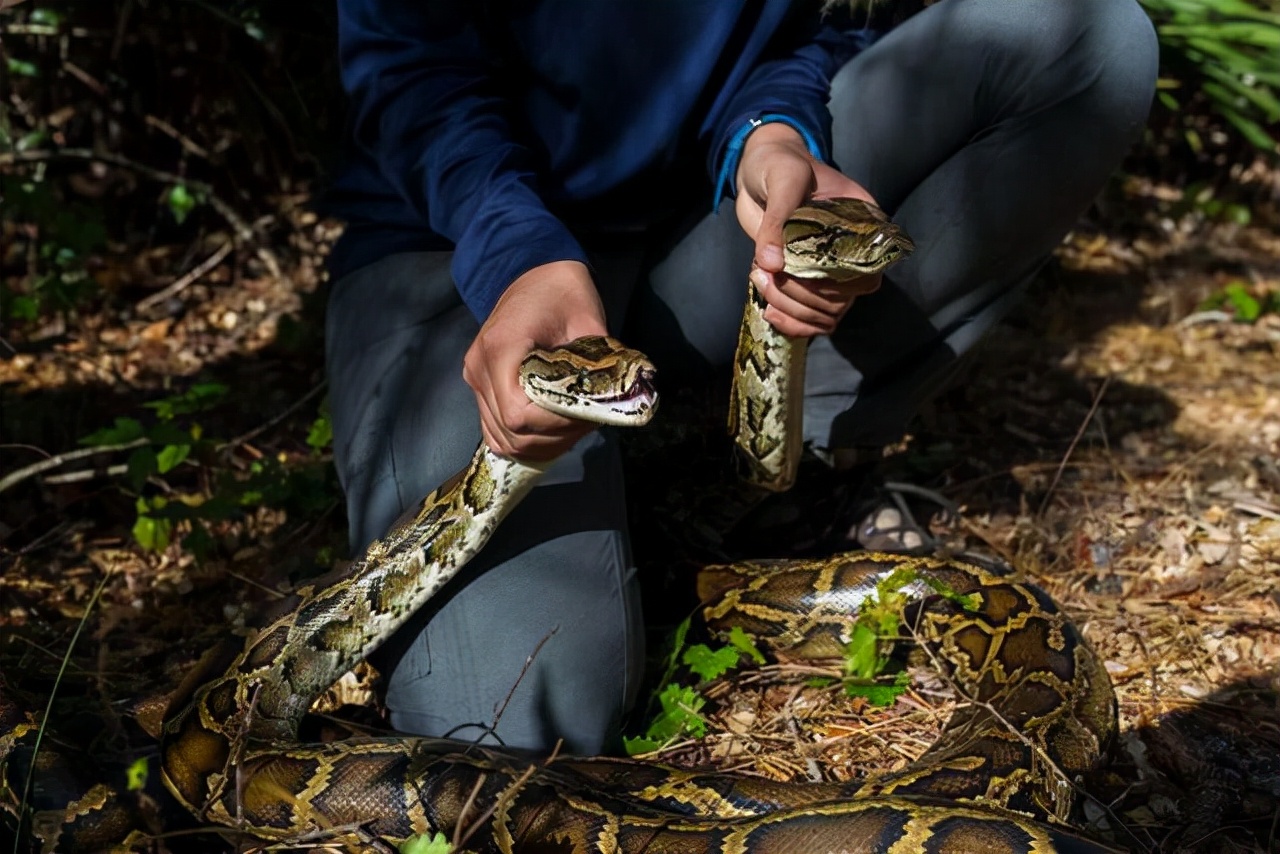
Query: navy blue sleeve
{"x": 796, "y": 83}
{"x": 427, "y": 104}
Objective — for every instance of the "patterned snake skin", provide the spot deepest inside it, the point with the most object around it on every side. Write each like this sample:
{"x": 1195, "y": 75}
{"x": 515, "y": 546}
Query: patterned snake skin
{"x": 1001, "y": 778}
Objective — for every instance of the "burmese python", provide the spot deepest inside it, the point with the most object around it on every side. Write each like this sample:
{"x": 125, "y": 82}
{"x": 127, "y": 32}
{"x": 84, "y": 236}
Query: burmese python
{"x": 837, "y": 239}
{"x": 1044, "y": 709}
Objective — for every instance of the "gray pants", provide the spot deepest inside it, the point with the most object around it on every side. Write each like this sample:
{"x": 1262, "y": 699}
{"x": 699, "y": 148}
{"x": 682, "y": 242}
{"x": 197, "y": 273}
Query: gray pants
{"x": 984, "y": 126}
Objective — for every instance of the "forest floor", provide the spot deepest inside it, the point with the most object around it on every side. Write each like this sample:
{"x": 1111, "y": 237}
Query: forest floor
{"x": 1117, "y": 440}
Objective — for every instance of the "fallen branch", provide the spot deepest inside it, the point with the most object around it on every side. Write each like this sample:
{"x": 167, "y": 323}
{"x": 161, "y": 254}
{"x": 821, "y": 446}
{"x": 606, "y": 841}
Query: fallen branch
{"x": 86, "y": 474}
{"x": 57, "y": 460}
{"x": 183, "y": 282}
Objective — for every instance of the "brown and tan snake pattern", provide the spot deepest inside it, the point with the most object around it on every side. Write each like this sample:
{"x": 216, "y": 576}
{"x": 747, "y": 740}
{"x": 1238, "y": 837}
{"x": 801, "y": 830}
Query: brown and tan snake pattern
{"x": 1002, "y": 778}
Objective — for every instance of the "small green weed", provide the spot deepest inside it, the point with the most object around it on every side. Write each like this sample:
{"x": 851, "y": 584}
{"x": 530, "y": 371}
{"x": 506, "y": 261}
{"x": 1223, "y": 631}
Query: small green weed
{"x": 866, "y": 663}
{"x": 175, "y": 438}
{"x": 680, "y": 705}
{"x": 436, "y": 843}
{"x": 1244, "y": 304}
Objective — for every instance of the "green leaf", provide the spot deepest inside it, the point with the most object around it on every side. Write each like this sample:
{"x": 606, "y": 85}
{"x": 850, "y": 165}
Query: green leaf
{"x": 198, "y": 398}
{"x": 22, "y": 68}
{"x": 168, "y": 433}
{"x": 679, "y": 715}
{"x": 125, "y": 430}
{"x": 24, "y": 308}
{"x": 140, "y": 466}
{"x": 639, "y": 745}
{"x": 181, "y": 202}
{"x": 708, "y": 663}
{"x": 879, "y": 694}
{"x": 677, "y": 646}
{"x": 1238, "y": 214}
{"x": 170, "y": 456}
{"x": 436, "y": 843}
{"x": 1246, "y": 307}
{"x": 152, "y": 533}
{"x": 320, "y": 436}
{"x": 47, "y": 17}
{"x": 742, "y": 641}
{"x": 861, "y": 655}
{"x": 136, "y": 775}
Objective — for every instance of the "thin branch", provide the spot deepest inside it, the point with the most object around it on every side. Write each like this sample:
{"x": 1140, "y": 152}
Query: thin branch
{"x": 188, "y": 144}
{"x": 466, "y": 808}
{"x": 503, "y": 801}
{"x": 16, "y": 477}
{"x": 262, "y": 428}
{"x": 184, "y": 281}
{"x": 1075, "y": 440}
{"x": 86, "y": 474}
{"x": 86, "y": 78}
{"x": 497, "y": 714}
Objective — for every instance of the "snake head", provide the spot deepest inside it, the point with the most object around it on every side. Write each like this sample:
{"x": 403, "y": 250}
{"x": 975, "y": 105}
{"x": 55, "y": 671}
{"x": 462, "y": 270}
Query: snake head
{"x": 594, "y": 378}
{"x": 841, "y": 239}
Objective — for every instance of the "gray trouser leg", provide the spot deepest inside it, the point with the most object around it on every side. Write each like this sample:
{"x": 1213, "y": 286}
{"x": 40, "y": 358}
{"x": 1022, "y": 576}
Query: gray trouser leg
{"x": 985, "y": 127}
{"x": 556, "y": 579}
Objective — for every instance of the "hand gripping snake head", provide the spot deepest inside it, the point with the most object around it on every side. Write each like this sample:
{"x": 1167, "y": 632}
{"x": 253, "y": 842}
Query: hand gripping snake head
{"x": 595, "y": 378}
{"x": 841, "y": 239}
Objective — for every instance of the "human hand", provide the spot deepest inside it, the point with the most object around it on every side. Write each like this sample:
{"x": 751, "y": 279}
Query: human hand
{"x": 547, "y": 306}
{"x": 776, "y": 175}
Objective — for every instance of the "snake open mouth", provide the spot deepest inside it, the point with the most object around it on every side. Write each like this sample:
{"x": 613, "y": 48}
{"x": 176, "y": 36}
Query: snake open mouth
{"x": 640, "y": 396}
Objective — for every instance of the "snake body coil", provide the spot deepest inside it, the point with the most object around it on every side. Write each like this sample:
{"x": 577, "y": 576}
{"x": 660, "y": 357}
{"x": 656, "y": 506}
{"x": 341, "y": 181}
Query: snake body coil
{"x": 1043, "y": 708}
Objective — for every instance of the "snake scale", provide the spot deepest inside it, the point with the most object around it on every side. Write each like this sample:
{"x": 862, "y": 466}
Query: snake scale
{"x": 1001, "y": 778}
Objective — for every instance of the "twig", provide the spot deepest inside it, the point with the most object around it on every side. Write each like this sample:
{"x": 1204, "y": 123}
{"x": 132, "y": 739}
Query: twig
{"x": 509, "y": 793}
{"x": 466, "y": 808}
{"x": 243, "y": 230}
{"x": 1075, "y": 440}
{"x": 497, "y": 714}
{"x": 247, "y": 580}
{"x": 22, "y": 446}
{"x": 184, "y": 281}
{"x": 262, "y": 428}
{"x": 53, "y": 692}
{"x": 86, "y": 78}
{"x": 811, "y": 765}
{"x": 189, "y": 145}
{"x": 86, "y": 474}
{"x": 16, "y": 477}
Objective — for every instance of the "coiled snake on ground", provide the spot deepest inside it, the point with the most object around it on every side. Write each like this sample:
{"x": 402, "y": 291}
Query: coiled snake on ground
{"x": 1001, "y": 778}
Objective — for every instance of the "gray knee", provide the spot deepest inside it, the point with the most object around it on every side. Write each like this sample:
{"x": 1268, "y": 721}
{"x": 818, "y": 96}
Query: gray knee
{"x": 1103, "y": 51}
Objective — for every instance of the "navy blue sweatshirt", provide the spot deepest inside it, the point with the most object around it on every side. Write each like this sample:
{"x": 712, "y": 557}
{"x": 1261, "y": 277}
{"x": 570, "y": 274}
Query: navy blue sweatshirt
{"x": 501, "y": 128}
